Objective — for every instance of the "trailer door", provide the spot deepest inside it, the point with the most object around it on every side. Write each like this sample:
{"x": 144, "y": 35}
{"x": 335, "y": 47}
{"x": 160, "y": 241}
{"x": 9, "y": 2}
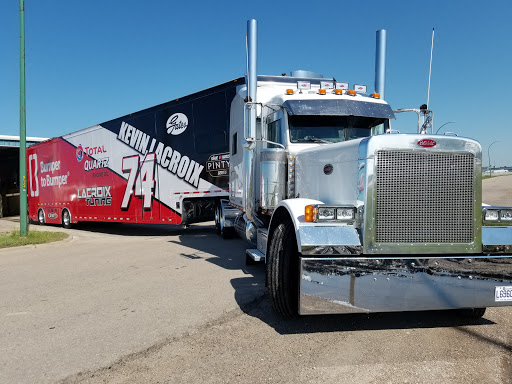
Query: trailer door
{"x": 139, "y": 195}
{"x": 148, "y": 184}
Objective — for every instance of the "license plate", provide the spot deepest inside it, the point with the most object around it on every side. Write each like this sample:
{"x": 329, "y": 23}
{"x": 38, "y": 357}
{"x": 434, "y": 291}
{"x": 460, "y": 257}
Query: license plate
{"x": 503, "y": 293}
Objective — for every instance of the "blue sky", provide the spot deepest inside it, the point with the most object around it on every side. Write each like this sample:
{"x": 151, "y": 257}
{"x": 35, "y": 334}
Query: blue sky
{"x": 91, "y": 61}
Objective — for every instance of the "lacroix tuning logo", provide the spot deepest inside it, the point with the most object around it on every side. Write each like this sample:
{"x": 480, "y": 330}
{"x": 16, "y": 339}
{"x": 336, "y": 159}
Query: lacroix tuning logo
{"x": 176, "y": 124}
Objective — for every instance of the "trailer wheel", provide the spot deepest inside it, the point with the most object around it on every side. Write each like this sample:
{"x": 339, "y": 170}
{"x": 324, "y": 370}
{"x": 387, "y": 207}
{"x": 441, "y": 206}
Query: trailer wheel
{"x": 471, "y": 313}
{"x": 283, "y": 270}
{"x": 66, "y": 219}
{"x": 225, "y": 233}
{"x": 217, "y": 218}
{"x": 40, "y": 217}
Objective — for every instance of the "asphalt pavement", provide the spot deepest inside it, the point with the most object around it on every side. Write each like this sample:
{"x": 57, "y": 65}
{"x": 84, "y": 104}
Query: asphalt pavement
{"x": 119, "y": 303}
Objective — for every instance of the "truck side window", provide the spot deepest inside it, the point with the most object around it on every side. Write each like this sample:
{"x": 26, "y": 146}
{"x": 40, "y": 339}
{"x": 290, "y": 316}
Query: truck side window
{"x": 274, "y": 133}
{"x": 234, "y": 143}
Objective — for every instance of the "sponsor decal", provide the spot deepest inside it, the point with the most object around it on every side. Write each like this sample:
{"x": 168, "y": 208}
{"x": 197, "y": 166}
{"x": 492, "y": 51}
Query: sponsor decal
{"x": 34, "y": 183}
{"x": 95, "y": 196}
{"x": 79, "y": 153}
{"x": 95, "y": 150}
{"x": 218, "y": 165}
{"x": 51, "y": 181}
{"x": 427, "y": 143}
{"x": 167, "y": 157}
{"x": 50, "y": 167}
{"x": 176, "y": 124}
{"x": 52, "y": 213}
{"x": 90, "y": 165}
{"x": 328, "y": 168}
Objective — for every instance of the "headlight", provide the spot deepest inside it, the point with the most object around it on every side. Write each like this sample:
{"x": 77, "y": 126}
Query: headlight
{"x": 497, "y": 215}
{"x": 316, "y": 213}
{"x": 345, "y": 213}
{"x": 506, "y": 215}
{"x": 492, "y": 215}
{"x": 326, "y": 213}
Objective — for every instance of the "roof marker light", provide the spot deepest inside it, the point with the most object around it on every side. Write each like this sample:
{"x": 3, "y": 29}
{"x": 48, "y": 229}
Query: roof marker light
{"x": 360, "y": 88}
{"x": 341, "y": 85}
{"x": 321, "y": 91}
{"x": 327, "y": 84}
{"x": 338, "y": 91}
{"x": 351, "y": 92}
{"x": 303, "y": 85}
{"x": 376, "y": 95}
{"x": 289, "y": 91}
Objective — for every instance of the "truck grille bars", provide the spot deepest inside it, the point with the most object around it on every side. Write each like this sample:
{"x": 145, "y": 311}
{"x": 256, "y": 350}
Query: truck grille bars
{"x": 424, "y": 197}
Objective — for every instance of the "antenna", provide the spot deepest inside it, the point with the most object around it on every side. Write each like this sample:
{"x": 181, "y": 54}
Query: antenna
{"x": 430, "y": 70}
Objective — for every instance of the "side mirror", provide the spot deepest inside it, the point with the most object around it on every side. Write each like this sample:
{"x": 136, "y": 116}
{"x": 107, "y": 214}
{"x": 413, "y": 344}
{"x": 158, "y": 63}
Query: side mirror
{"x": 249, "y": 143}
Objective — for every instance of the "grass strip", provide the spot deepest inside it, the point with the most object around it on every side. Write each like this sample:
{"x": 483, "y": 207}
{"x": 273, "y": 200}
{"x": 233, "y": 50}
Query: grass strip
{"x": 13, "y": 239}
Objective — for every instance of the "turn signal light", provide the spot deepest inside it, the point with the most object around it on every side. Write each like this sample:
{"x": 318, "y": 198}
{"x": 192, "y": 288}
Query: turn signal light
{"x": 289, "y": 91}
{"x": 351, "y": 92}
{"x": 309, "y": 213}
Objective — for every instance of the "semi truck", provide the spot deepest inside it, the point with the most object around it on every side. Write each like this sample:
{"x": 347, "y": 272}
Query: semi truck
{"x": 347, "y": 214}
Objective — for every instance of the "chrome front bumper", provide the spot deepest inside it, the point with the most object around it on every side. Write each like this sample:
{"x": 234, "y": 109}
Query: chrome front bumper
{"x": 356, "y": 284}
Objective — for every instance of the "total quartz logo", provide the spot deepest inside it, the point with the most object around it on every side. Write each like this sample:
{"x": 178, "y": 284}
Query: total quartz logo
{"x": 80, "y": 151}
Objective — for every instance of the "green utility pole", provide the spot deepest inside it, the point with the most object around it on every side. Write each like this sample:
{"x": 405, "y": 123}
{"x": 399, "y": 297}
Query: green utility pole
{"x": 23, "y": 133}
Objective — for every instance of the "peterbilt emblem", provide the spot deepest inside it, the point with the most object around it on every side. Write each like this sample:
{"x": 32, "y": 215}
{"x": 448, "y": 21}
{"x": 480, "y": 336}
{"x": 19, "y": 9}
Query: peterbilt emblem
{"x": 427, "y": 143}
{"x": 328, "y": 168}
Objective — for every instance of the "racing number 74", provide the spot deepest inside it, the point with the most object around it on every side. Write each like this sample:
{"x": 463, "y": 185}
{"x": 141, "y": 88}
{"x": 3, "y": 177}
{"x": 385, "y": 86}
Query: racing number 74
{"x": 142, "y": 180}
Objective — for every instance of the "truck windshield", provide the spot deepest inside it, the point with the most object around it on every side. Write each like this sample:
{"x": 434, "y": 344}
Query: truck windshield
{"x": 330, "y": 129}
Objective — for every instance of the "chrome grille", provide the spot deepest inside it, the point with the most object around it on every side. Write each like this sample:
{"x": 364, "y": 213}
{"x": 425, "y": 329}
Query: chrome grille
{"x": 424, "y": 197}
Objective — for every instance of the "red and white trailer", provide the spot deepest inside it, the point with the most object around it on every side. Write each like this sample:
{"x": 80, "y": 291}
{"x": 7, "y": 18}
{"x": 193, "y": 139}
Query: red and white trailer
{"x": 166, "y": 164}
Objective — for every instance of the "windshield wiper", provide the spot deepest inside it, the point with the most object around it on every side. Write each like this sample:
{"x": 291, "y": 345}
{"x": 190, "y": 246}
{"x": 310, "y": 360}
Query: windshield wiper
{"x": 313, "y": 139}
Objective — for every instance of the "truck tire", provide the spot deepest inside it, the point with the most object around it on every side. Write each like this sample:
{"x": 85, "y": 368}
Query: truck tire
{"x": 283, "y": 270}
{"x": 217, "y": 218}
{"x": 66, "y": 219}
{"x": 225, "y": 233}
{"x": 40, "y": 217}
{"x": 471, "y": 313}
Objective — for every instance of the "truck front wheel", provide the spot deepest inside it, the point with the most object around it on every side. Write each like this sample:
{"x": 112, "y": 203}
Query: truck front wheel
{"x": 283, "y": 270}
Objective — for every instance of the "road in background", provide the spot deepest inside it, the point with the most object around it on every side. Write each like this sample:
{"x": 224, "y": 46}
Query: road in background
{"x": 155, "y": 304}
{"x": 497, "y": 190}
